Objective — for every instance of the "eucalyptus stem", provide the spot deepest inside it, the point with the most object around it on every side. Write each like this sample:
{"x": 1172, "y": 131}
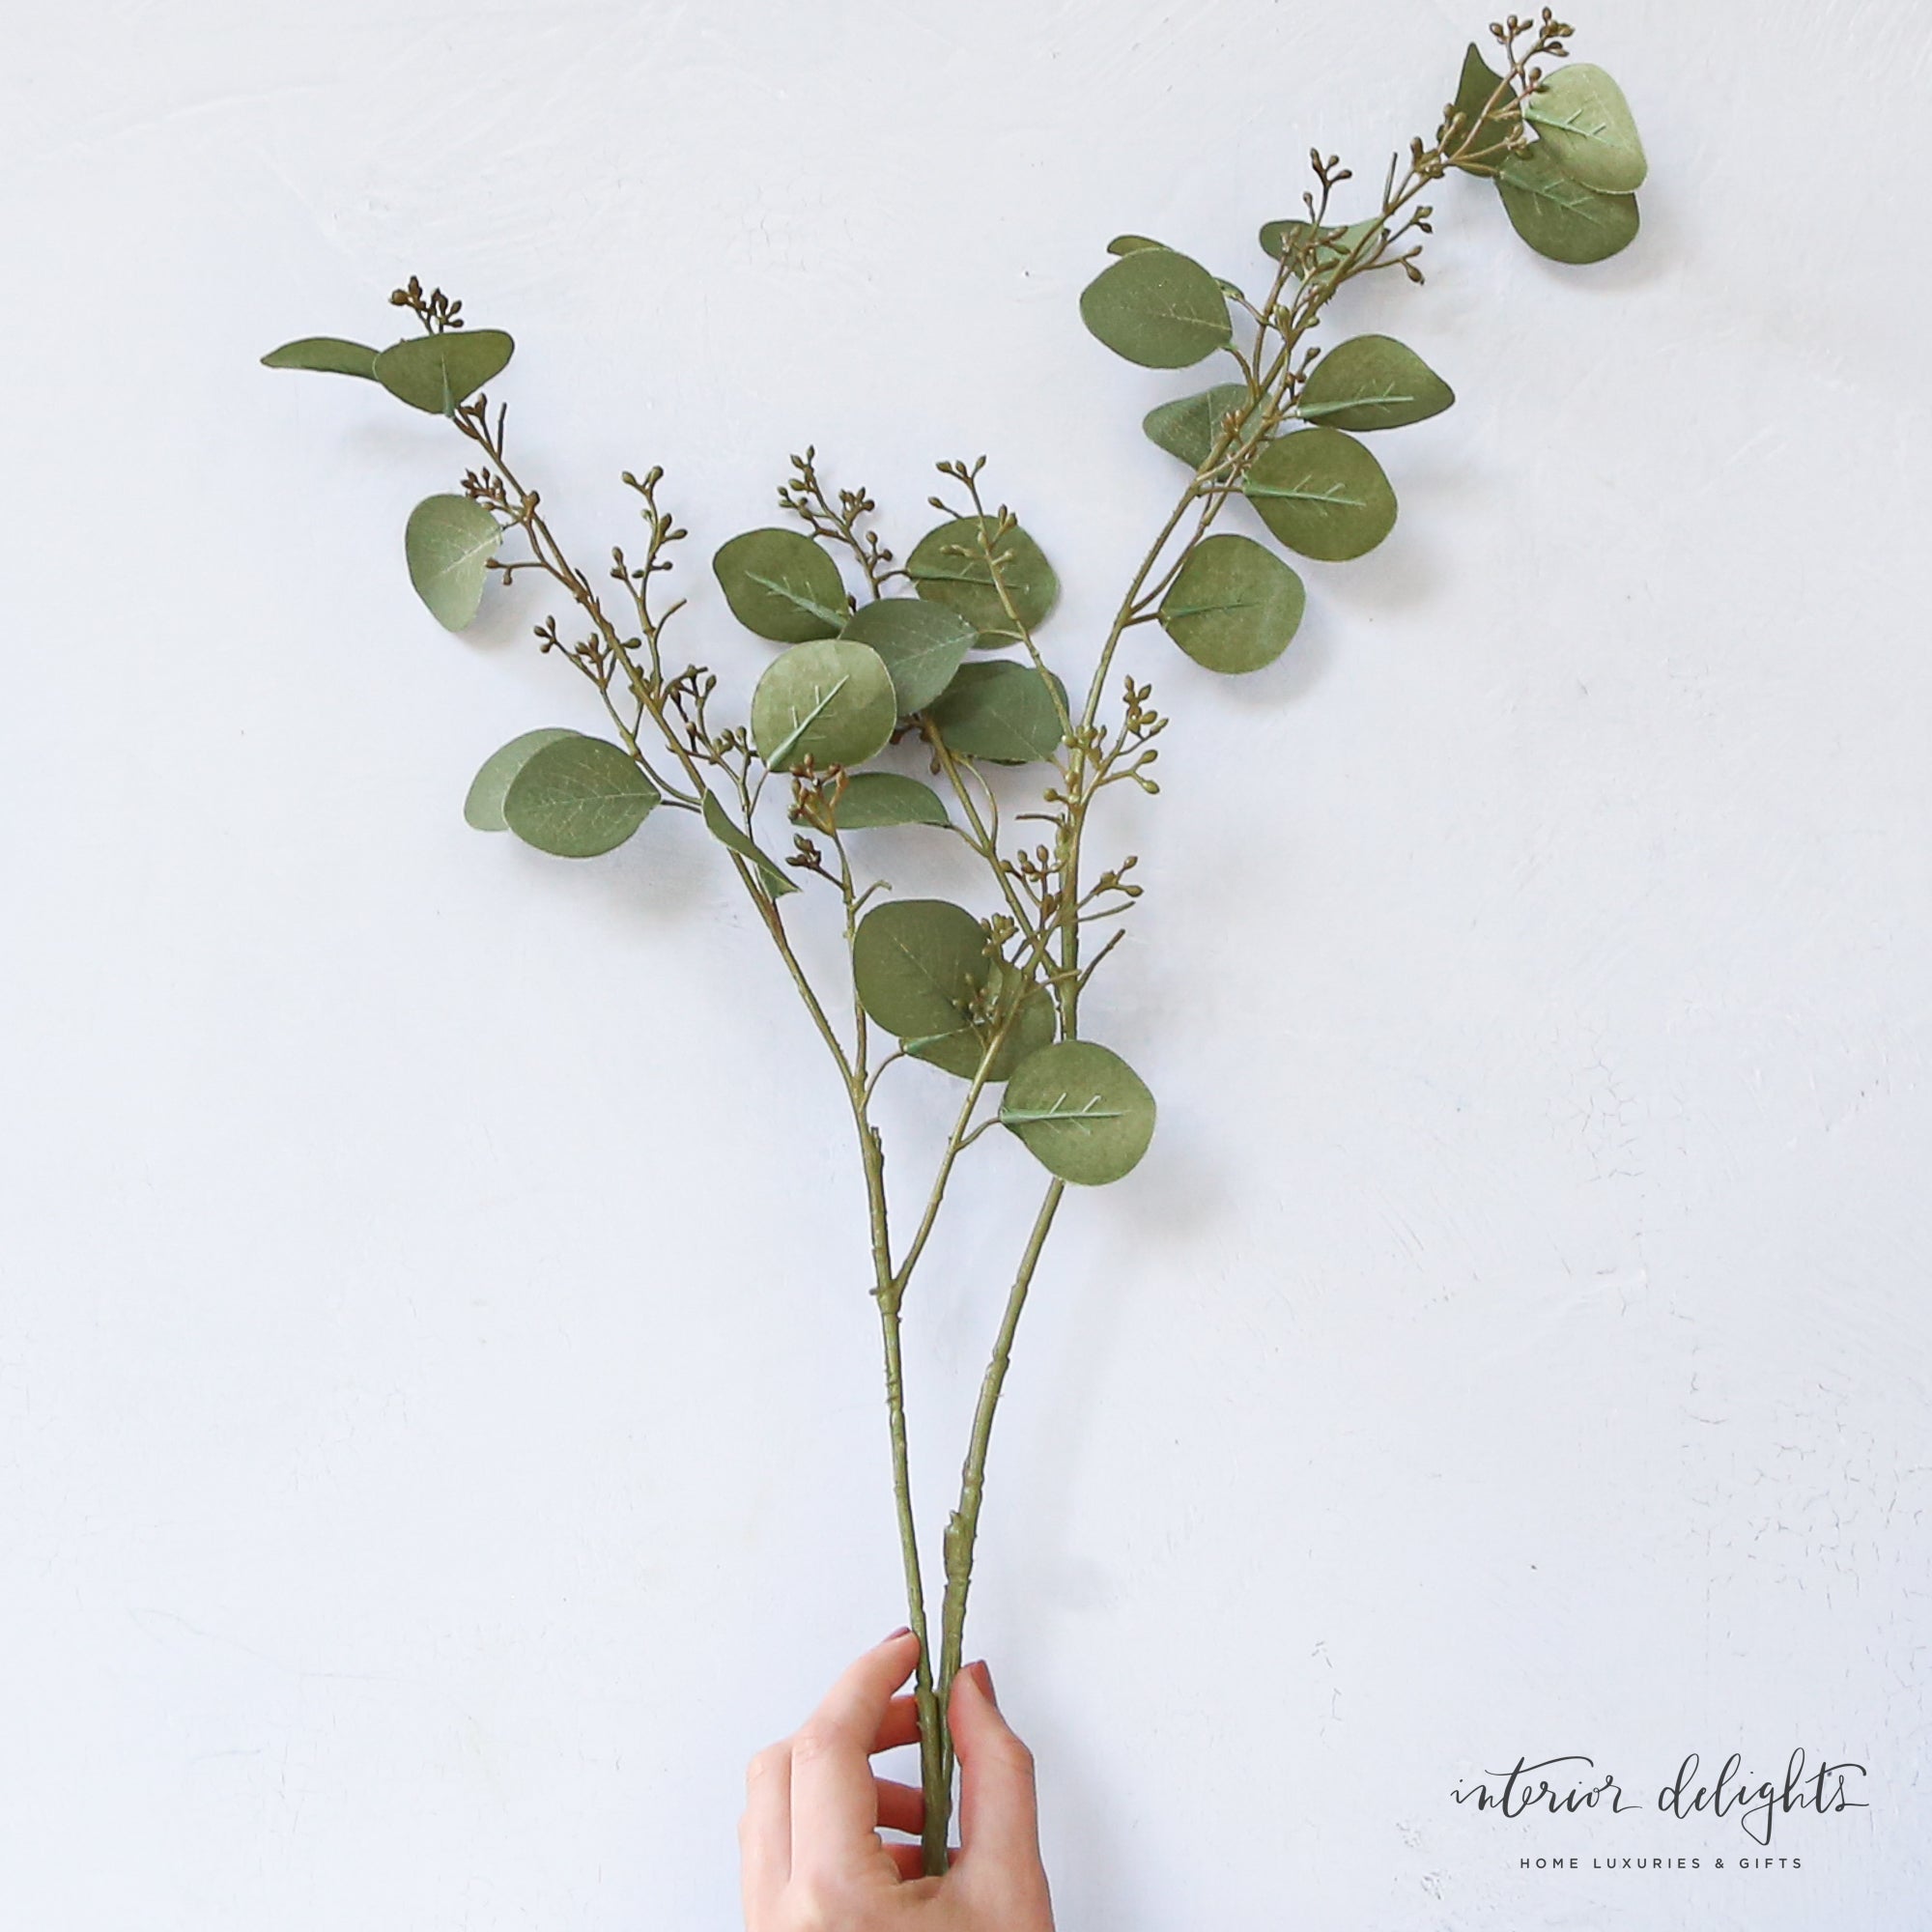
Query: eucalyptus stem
{"x": 934, "y": 1764}
{"x": 1214, "y": 484}
{"x": 962, "y": 1531}
{"x": 549, "y": 555}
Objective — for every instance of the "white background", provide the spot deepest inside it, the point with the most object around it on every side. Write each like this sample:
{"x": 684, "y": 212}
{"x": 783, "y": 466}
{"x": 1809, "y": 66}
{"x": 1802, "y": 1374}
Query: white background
{"x": 440, "y": 1434}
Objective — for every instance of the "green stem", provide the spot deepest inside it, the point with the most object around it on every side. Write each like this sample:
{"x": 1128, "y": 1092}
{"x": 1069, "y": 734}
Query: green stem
{"x": 934, "y": 1747}
{"x": 887, "y": 1291}
{"x": 963, "y": 1530}
{"x": 1211, "y": 487}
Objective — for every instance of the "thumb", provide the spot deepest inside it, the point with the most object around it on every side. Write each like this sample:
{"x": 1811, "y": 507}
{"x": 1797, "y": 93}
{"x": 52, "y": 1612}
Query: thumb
{"x": 998, "y": 1814}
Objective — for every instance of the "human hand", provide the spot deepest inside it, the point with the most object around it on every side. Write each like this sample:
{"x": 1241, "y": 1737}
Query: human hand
{"x": 811, "y": 1855}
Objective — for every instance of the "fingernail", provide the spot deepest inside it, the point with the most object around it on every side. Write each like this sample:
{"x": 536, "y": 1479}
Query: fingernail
{"x": 892, "y": 1637}
{"x": 984, "y": 1679}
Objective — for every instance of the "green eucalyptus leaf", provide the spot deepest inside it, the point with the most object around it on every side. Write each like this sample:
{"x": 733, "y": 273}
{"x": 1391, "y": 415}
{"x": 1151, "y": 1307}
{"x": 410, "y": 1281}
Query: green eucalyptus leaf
{"x": 1005, "y": 712}
{"x": 1132, "y": 244}
{"x": 1561, "y": 219}
{"x": 769, "y": 874}
{"x": 885, "y": 798}
{"x": 1491, "y": 132}
{"x": 782, "y": 585}
{"x": 449, "y": 543}
{"x": 1084, "y": 1113}
{"x": 962, "y": 1051}
{"x": 1314, "y": 248}
{"x": 437, "y": 372}
{"x": 920, "y": 644}
{"x": 1158, "y": 308}
{"x": 1371, "y": 382}
{"x": 1191, "y": 426}
{"x": 577, "y": 796}
{"x": 948, "y": 566}
{"x": 830, "y": 701}
{"x": 1233, "y": 606}
{"x": 483, "y": 808}
{"x": 1323, "y": 493}
{"x": 1585, "y": 126}
{"x": 918, "y": 965}
{"x": 925, "y": 970}
{"x": 329, "y": 354}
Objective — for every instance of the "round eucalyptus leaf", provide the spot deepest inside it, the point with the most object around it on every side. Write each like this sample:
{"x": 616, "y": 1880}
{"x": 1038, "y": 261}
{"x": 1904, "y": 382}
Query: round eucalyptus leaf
{"x": 782, "y": 585}
{"x": 916, "y": 966}
{"x": 449, "y": 543}
{"x": 1234, "y": 606}
{"x": 920, "y": 644}
{"x": 1323, "y": 493}
{"x": 1371, "y": 382}
{"x": 1315, "y": 248}
{"x": 1191, "y": 426}
{"x": 885, "y": 798}
{"x": 437, "y": 372}
{"x": 830, "y": 701}
{"x": 960, "y": 1052}
{"x": 329, "y": 354}
{"x": 1561, "y": 219}
{"x": 1132, "y": 244}
{"x": 1158, "y": 308}
{"x": 483, "y": 808}
{"x": 1005, "y": 712}
{"x": 577, "y": 796}
{"x": 947, "y": 565}
{"x": 1585, "y": 126}
{"x": 1083, "y": 1111}
{"x": 1483, "y": 133}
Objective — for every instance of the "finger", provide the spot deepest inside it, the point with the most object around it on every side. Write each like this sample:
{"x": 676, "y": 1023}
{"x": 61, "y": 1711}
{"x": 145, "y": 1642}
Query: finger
{"x": 901, "y": 1725}
{"x": 764, "y": 1832}
{"x": 901, "y": 1807}
{"x": 833, "y": 1816}
{"x": 999, "y": 1816}
{"x": 910, "y": 1860}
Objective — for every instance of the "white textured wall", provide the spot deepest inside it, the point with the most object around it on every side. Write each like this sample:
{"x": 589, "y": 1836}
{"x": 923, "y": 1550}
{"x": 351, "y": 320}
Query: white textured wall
{"x": 439, "y": 1435}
